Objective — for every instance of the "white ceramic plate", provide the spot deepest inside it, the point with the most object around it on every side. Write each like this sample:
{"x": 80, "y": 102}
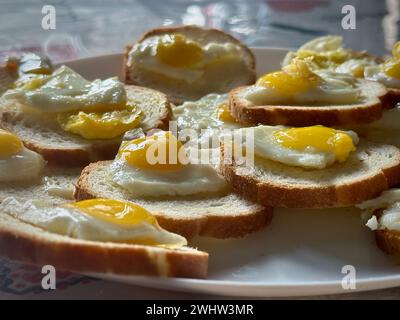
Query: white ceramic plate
{"x": 301, "y": 253}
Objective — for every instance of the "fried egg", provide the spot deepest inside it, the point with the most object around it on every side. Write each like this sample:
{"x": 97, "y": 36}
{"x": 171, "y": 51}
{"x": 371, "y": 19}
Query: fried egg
{"x": 297, "y": 84}
{"x": 387, "y": 73}
{"x": 314, "y": 147}
{"x": 327, "y": 52}
{"x": 178, "y": 57}
{"x": 93, "y": 110}
{"x": 208, "y": 116}
{"x": 17, "y": 163}
{"x": 389, "y": 218}
{"x": 97, "y": 220}
{"x": 159, "y": 166}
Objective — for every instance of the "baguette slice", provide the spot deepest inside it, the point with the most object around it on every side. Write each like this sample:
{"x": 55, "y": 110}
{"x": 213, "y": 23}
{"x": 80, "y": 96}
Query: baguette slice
{"x": 41, "y": 133}
{"x": 29, "y": 244}
{"x": 377, "y": 99}
{"x": 220, "y": 78}
{"x": 368, "y": 171}
{"x": 219, "y": 217}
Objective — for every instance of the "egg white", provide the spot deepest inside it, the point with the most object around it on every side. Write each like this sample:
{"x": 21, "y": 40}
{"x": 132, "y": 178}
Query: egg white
{"x": 336, "y": 88}
{"x": 144, "y": 55}
{"x": 202, "y": 116}
{"x": 390, "y": 217}
{"x": 24, "y": 166}
{"x": 375, "y": 73}
{"x": 192, "y": 179}
{"x": 65, "y": 90}
{"x": 75, "y": 224}
{"x": 266, "y": 147}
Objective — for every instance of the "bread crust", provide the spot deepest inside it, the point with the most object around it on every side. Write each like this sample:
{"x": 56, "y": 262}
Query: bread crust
{"x": 271, "y": 193}
{"x": 212, "y": 226}
{"x": 393, "y": 96}
{"x": 32, "y": 245}
{"x": 94, "y": 150}
{"x": 189, "y": 28}
{"x": 388, "y": 241}
{"x": 246, "y": 112}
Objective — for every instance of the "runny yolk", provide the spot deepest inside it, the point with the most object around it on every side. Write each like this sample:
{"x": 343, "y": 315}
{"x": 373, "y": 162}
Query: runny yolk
{"x": 10, "y": 144}
{"x": 319, "y": 137}
{"x": 161, "y": 151}
{"x": 293, "y": 79}
{"x": 392, "y": 66}
{"x": 224, "y": 114}
{"x": 114, "y": 211}
{"x": 177, "y": 51}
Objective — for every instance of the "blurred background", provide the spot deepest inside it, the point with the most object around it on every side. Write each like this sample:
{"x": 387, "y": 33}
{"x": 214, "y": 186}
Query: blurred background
{"x": 94, "y": 27}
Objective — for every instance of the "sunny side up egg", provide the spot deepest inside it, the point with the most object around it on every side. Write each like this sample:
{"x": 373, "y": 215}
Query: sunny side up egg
{"x": 208, "y": 116}
{"x": 178, "y": 57}
{"x": 297, "y": 84}
{"x": 328, "y": 53}
{"x": 387, "y": 73}
{"x": 314, "y": 147}
{"x": 159, "y": 166}
{"x": 96, "y": 220}
{"x": 16, "y": 162}
{"x": 94, "y": 110}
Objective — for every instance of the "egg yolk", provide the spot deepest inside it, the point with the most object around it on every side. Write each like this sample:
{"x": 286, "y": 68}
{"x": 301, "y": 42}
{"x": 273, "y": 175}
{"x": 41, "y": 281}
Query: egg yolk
{"x": 177, "y": 51}
{"x": 97, "y": 125}
{"x": 319, "y": 137}
{"x": 295, "y": 78}
{"x": 392, "y": 66}
{"x": 114, "y": 211}
{"x": 161, "y": 151}
{"x": 10, "y": 144}
{"x": 224, "y": 114}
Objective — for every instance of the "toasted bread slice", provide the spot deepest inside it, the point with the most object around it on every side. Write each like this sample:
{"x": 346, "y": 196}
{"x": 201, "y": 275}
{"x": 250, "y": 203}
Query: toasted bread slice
{"x": 29, "y": 244}
{"x": 40, "y": 132}
{"x": 219, "y": 217}
{"x": 376, "y": 100}
{"x": 394, "y": 96}
{"x": 55, "y": 186}
{"x": 368, "y": 171}
{"x": 388, "y": 241}
{"x": 220, "y": 78}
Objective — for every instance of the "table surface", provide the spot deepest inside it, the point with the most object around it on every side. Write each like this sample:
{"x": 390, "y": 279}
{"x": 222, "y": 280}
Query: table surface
{"x": 95, "y": 27}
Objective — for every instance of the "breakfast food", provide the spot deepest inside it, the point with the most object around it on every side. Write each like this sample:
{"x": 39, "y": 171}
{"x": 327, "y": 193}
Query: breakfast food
{"x": 208, "y": 116}
{"x": 72, "y": 121}
{"x": 188, "y": 62}
{"x": 17, "y": 162}
{"x": 310, "y": 167}
{"x": 387, "y": 73}
{"x": 134, "y": 214}
{"x": 187, "y": 198}
{"x": 384, "y": 219}
{"x": 300, "y": 96}
{"x": 328, "y": 52}
{"x": 96, "y": 236}
{"x": 24, "y": 174}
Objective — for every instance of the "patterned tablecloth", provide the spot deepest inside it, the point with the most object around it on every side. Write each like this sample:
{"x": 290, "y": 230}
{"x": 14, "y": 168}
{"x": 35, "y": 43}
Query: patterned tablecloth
{"x": 93, "y": 27}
